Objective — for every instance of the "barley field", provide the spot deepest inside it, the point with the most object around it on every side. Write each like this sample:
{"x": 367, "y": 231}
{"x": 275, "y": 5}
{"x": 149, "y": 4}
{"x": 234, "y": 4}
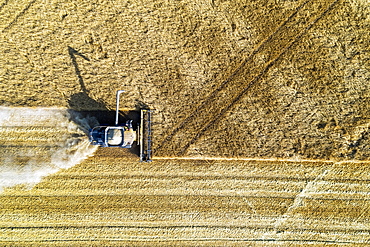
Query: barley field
{"x": 260, "y": 131}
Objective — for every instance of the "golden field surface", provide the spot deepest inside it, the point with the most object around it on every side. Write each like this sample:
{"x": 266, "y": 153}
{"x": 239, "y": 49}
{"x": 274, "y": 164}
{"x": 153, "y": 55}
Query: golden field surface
{"x": 110, "y": 200}
{"x": 260, "y": 134}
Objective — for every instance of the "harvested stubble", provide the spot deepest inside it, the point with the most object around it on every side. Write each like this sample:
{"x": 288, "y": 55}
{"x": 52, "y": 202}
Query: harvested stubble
{"x": 173, "y": 201}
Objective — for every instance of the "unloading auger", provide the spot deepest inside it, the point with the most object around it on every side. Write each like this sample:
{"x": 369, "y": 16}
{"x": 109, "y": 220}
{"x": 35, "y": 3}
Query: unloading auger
{"x": 124, "y": 135}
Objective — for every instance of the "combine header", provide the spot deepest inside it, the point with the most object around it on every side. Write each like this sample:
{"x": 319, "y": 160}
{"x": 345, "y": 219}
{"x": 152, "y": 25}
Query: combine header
{"x": 124, "y": 135}
{"x": 145, "y": 135}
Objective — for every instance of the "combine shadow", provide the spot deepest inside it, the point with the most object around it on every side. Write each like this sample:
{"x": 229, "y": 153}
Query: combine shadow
{"x": 82, "y": 100}
{"x": 88, "y": 112}
{"x": 73, "y": 53}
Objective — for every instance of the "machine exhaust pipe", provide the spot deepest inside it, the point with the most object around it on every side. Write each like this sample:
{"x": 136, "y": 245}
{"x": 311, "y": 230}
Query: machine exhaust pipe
{"x": 123, "y": 135}
{"x": 117, "y": 104}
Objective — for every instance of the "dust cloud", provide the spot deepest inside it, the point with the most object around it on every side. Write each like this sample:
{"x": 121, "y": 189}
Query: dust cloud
{"x": 36, "y": 142}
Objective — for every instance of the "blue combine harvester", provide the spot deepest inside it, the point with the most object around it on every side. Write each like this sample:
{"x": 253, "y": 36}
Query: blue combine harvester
{"x": 124, "y": 135}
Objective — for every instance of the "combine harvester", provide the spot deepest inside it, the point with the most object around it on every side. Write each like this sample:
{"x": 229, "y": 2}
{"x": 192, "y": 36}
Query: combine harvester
{"x": 124, "y": 135}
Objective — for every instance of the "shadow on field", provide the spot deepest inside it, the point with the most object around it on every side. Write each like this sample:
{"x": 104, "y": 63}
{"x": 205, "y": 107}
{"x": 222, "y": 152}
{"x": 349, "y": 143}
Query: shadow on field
{"x": 83, "y": 109}
{"x": 72, "y": 53}
{"x": 81, "y": 100}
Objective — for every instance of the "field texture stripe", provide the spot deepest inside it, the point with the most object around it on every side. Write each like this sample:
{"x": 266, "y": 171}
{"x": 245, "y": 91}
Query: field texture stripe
{"x": 19, "y": 15}
{"x": 3, "y": 4}
{"x": 248, "y": 73}
{"x": 222, "y": 85}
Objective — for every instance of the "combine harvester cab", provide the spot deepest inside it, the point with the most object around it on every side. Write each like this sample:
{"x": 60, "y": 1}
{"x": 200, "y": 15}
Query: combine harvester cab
{"x": 124, "y": 135}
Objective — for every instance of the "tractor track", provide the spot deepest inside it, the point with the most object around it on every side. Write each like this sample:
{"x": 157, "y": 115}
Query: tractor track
{"x": 19, "y": 15}
{"x": 250, "y": 71}
{"x": 3, "y": 4}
